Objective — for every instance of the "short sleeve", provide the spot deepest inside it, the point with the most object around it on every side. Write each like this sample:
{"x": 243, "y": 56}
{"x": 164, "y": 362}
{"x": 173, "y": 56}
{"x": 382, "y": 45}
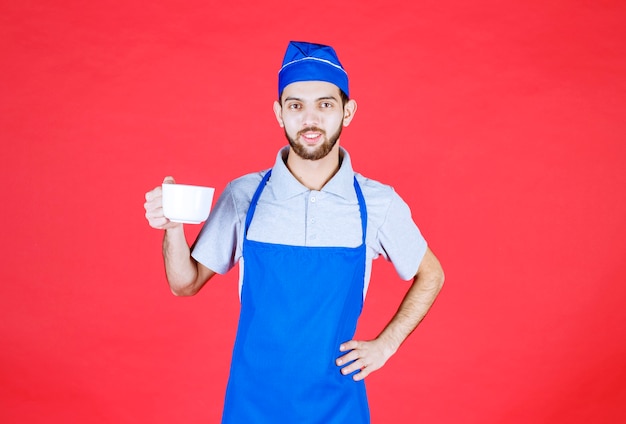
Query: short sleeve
{"x": 400, "y": 239}
{"x": 217, "y": 244}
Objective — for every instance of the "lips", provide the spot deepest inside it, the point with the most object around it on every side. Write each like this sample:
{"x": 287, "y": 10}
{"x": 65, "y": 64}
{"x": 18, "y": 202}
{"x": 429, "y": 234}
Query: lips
{"x": 311, "y": 138}
{"x": 311, "y": 135}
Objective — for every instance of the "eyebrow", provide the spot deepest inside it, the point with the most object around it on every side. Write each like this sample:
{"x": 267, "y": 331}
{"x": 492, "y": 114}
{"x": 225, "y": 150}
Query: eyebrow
{"x": 317, "y": 100}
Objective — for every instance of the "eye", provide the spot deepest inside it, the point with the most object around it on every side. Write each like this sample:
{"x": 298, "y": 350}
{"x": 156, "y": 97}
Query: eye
{"x": 294, "y": 106}
{"x": 326, "y": 105}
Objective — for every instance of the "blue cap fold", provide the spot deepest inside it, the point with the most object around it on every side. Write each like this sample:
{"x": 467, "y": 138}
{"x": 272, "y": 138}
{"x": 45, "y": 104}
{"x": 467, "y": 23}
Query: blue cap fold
{"x": 311, "y": 62}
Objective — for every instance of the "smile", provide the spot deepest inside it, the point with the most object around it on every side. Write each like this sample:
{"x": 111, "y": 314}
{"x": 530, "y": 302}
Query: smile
{"x": 311, "y": 135}
{"x": 311, "y": 138}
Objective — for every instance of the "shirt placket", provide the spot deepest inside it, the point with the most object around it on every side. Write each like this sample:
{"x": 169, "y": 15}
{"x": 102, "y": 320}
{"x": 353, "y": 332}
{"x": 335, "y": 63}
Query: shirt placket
{"x": 312, "y": 217}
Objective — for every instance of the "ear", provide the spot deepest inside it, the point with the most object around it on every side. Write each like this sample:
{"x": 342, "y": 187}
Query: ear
{"x": 278, "y": 112}
{"x": 348, "y": 112}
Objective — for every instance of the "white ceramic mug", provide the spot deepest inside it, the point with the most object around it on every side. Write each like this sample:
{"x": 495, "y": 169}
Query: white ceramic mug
{"x": 188, "y": 204}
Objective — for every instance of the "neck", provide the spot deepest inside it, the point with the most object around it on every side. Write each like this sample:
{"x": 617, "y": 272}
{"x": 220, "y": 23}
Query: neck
{"x": 314, "y": 174}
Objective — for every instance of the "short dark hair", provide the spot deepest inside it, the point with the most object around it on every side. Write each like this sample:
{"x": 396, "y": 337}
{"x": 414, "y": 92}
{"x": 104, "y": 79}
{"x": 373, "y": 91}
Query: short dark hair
{"x": 344, "y": 98}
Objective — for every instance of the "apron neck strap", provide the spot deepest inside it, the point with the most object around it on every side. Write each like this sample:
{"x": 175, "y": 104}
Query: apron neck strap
{"x": 362, "y": 207}
{"x": 255, "y": 200}
{"x": 266, "y": 177}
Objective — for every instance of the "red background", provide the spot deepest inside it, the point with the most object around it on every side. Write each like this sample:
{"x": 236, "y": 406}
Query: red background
{"x": 502, "y": 125}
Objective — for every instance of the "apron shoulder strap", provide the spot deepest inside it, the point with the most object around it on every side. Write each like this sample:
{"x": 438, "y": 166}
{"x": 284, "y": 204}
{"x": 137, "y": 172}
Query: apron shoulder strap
{"x": 255, "y": 199}
{"x": 266, "y": 177}
{"x": 362, "y": 207}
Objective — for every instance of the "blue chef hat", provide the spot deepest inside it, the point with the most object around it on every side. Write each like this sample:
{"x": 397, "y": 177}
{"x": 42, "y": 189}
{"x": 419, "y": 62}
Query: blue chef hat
{"x": 311, "y": 62}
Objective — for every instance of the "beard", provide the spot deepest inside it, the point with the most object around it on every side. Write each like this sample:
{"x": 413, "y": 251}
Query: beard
{"x": 314, "y": 153}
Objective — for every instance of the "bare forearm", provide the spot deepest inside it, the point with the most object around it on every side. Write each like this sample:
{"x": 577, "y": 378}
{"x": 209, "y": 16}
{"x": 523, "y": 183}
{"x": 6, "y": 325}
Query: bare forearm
{"x": 412, "y": 310}
{"x": 368, "y": 356}
{"x": 181, "y": 269}
{"x": 426, "y": 286}
{"x": 184, "y": 275}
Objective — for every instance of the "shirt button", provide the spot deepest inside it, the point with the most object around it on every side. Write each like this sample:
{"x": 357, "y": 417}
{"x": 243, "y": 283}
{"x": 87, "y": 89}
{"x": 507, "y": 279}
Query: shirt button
{"x": 313, "y": 199}
{"x": 313, "y": 221}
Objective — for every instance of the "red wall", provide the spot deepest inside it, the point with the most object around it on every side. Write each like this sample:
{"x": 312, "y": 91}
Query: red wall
{"x": 503, "y": 126}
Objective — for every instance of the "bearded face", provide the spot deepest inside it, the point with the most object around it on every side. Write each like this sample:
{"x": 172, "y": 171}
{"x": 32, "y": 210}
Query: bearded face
{"x": 313, "y": 114}
{"x": 302, "y": 147}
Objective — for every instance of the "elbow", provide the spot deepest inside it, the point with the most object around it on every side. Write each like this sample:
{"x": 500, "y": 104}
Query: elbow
{"x": 185, "y": 290}
{"x": 440, "y": 279}
{"x": 434, "y": 274}
{"x": 430, "y": 273}
{"x": 188, "y": 286}
{"x": 434, "y": 281}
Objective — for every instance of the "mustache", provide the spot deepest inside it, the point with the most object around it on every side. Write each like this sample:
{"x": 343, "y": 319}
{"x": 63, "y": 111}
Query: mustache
{"x": 313, "y": 129}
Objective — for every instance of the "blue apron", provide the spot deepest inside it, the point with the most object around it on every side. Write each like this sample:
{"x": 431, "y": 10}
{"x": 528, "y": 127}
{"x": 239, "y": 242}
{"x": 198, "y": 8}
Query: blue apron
{"x": 298, "y": 304}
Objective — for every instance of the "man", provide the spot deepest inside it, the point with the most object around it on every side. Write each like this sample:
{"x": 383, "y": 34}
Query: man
{"x": 305, "y": 234}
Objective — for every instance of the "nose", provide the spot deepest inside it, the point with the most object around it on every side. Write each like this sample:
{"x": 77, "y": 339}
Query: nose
{"x": 311, "y": 117}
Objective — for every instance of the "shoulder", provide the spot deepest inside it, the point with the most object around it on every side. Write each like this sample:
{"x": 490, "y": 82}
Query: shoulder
{"x": 246, "y": 183}
{"x": 376, "y": 194}
{"x": 385, "y": 208}
{"x": 241, "y": 189}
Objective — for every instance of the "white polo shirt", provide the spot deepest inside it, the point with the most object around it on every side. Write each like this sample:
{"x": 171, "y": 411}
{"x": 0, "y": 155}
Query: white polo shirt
{"x": 289, "y": 213}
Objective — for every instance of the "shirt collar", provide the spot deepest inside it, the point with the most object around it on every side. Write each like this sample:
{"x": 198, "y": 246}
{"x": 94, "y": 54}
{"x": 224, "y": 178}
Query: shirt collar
{"x": 284, "y": 185}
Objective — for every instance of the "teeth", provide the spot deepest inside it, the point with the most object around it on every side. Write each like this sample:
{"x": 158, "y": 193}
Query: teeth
{"x": 311, "y": 135}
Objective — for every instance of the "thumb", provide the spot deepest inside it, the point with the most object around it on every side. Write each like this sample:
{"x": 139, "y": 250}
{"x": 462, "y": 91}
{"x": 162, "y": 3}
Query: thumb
{"x": 169, "y": 180}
